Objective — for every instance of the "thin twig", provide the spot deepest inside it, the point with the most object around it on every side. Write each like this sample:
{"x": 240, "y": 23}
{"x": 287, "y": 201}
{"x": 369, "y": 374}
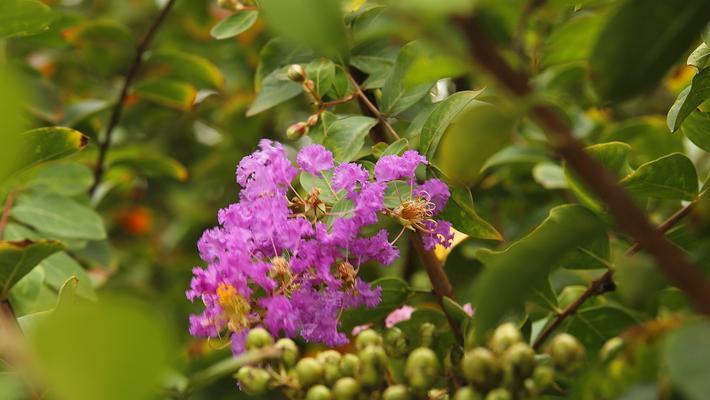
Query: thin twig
{"x": 371, "y": 109}
{"x": 118, "y": 108}
{"x": 9, "y": 200}
{"x": 679, "y": 271}
{"x": 605, "y": 282}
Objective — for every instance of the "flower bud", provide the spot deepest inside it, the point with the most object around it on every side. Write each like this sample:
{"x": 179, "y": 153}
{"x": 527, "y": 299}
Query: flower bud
{"x": 422, "y": 369}
{"x": 395, "y": 342}
{"x": 318, "y": 392}
{"x": 313, "y": 119}
{"x": 427, "y": 331}
{"x": 252, "y": 380}
{"x": 543, "y": 376}
{"x": 349, "y": 365}
{"x": 296, "y": 73}
{"x": 346, "y": 389}
{"x": 467, "y": 393}
{"x": 309, "y": 372}
{"x": 519, "y": 359}
{"x": 566, "y": 352}
{"x": 366, "y": 338}
{"x": 499, "y": 394}
{"x": 373, "y": 366}
{"x": 297, "y": 130}
{"x": 289, "y": 352}
{"x": 331, "y": 365}
{"x": 480, "y": 367}
{"x": 503, "y": 337}
{"x": 258, "y": 338}
{"x": 396, "y": 392}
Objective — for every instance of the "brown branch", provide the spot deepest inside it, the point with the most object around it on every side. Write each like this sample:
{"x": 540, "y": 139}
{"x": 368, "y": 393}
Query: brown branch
{"x": 679, "y": 271}
{"x": 383, "y": 132}
{"x": 118, "y": 108}
{"x": 9, "y": 200}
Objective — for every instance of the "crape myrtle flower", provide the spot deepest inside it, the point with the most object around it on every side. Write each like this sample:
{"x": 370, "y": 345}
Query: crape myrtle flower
{"x": 288, "y": 261}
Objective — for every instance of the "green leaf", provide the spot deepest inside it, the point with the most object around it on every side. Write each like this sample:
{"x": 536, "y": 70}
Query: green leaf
{"x": 167, "y": 92}
{"x": 686, "y": 353}
{"x": 511, "y": 275}
{"x": 17, "y": 259}
{"x": 641, "y": 41}
{"x": 572, "y": 41}
{"x": 428, "y": 7}
{"x": 234, "y": 24}
{"x": 696, "y": 128}
{"x": 146, "y": 162}
{"x": 23, "y": 17}
{"x": 60, "y": 267}
{"x": 322, "y": 73}
{"x": 593, "y": 326}
{"x": 46, "y": 144}
{"x": 700, "y": 57}
{"x": 59, "y": 216}
{"x": 670, "y": 177}
{"x": 550, "y": 176}
{"x": 613, "y": 156}
{"x": 317, "y": 24}
{"x": 310, "y": 182}
{"x": 345, "y": 137}
{"x": 395, "y": 293}
{"x": 275, "y": 89}
{"x": 64, "y": 178}
{"x": 689, "y": 99}
{"x": 445, "y": 112}
{"x": 192, "y": 68}
{"x": 104, "y": 46}
{"x": 396, "y": 148}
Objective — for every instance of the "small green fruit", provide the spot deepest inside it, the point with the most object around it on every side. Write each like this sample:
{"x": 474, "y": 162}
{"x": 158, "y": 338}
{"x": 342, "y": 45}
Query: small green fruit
{"x": 254, "y": 381}
{"x": 373, "y": 366}
{"x": 499, "y": 394}
{"x": 611, "y": 348}
{"x": 318, "y": 392}
{"x": 427, "y": 333}
{"x": 331, "y": 365}
{"x": 346, "y": 389}
{"x": 467, "y": 393}
{"x": 480, "y": 367}
{"x": 309, "y": 372}
{"x": 543, "y": 376}
{"x": 368, "y": 337}
{"x": 396, "y": 392}
{"x": 519, "y": 359}
{"x": 503, "y": 337}
{"x": 349, "y": 365}
{"x": 395, "y": 342}
{"x": 566, "y": 352}
{"x": 258, "y": 338}
{"x": 422, "y": 369}
{"x": 289, "y": 351}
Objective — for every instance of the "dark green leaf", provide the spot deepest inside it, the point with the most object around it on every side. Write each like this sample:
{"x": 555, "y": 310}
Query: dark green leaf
{"x": 188, "y": 67}
{"x": 613, "y": 156}
{"x": 572, "y": 41}
{"x": 689, "y": 99}
{"x": 345, "y": 137}
{"x": 696, "y": 127}
{"x": 23, "y": 17}
{"x": 322, "y": 73}
{"x": 17, "y": 259}
{"x": 167, "y": 92}
{"x": 593, "y": 326}
{"x": 46, "y": 144}
{"x": 670, "y": 177}
{"x": 234, "y": 24}
{"x": 59, "y": 216}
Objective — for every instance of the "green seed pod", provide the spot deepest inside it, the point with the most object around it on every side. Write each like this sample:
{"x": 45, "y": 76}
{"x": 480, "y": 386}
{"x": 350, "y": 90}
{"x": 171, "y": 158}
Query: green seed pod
{"x": 422, "y": 369}
{"x": 296, "y": 73}
{"x": 395, "y": 342}
{"x": 258, "y": 338}
{"x": 566, "y": 352}
{"x": 480, "y": 367}
{"x": 543, "y": 376}
{"x": 289, "y": 352}
{"x": 318, "y": 392}
{"x": 309, "y": 372}
{"x": 346, "y": 389}
{"x": 396, "y": 392}
{"x": 349, "y": 365}
{"x": 519, "y": 359}
{"x": 368, "y": 337}
{"x": 467, "y": 393}
{"x": 331, "y": 365}
{"x": 499, "y": 394}
{"x": 503, "y": 337}
{"x": 427, "y": 333}
{"x": 254, "y": 381}
{"x": 373, "y": 366}
{"x": 611, "y": 348}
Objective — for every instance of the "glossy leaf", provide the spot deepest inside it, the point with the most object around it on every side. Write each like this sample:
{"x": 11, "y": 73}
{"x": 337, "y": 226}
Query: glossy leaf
{"x": 700, "y": 57}
{"x": 17, "y": 259}
{"x": 23, "y": 17}
{"x": 670, "y": 177}
{"x": 57, "y": 215}
{"x": 275, "y": 89}
{"x": 444, "y": 113}
{"x": 167, "y": 92}
{"x": 234, "y": 24}
{"x": 696, "y": 127}
{"x": 46, "y": 144}
{"x": 689, "y": 99}
{"x": 641, "y": 41}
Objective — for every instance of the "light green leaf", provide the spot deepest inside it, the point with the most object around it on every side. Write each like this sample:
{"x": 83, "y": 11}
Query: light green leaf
{"x": 396, "y": 148}
{"x": 17, "y": 259}
{"x": 445, "y": 112}
{"x": 549, "y": 175}
{"x": 182, "y": 66}
{"x": 234, "y": 24}
{"x": 309, "y": 182}
{"x": 167, "y": 92}
{"x": 57, "y": 215}
{"x": 428, "y": 7}
{"x": 64, "y": 178}
{"x": 700, "y": 57}
{"x": 613, "y": 156}
{"x": 23, "y": 17}
{"x": 511, "y": 275}
{"x": 572, "y": 41}
{"x": 670, "y": 177}
{"x": 275, "y": 89}
{"x": 641, "y": 41}
{"x": 60, "y": 267}
{"x": 345, "y": 137}
{"x": 689, "y": 99}
{"x": 46, "y": 144}
{"x": 686, "y": 352}
{"x": 696, "y": 128}
{"x": 322, "y": 73}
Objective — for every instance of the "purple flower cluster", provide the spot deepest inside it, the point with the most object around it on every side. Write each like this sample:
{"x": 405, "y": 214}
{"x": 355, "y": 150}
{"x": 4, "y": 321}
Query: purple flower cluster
{"x": 289, "y": 261}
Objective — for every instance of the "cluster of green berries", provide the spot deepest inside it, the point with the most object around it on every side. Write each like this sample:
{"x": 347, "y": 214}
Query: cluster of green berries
{"x": 385, "y": 366}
